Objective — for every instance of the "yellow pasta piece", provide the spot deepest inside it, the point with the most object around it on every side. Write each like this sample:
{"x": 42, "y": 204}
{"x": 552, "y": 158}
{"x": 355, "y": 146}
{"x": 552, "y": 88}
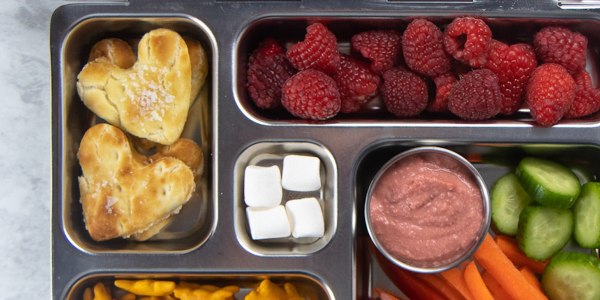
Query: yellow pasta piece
{"x": 268, "y": 290}
{"x": 190, "y": 291}
{"x": 146, "y": 287}
{"x": 101, "y": 292}
{"x": 87, "y": 294}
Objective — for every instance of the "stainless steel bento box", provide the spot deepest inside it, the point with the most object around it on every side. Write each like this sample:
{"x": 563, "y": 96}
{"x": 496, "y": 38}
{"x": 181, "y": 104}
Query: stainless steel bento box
{"x": 211, "y": 242}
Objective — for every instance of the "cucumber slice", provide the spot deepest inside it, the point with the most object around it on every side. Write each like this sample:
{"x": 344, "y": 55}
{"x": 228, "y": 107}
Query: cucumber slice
{"x": 543, "y": 231}
{"x": 548, "y": 183}
{"x": 586, "y": 214}
{"x": 572, "y": 275}
{"x": 508, "y": 199}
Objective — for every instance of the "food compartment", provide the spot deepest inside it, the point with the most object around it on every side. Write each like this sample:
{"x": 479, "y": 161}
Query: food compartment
{"x": 492, "y": 160}
{"x": 196, "y": 220}
{"x": 307, "y": 286}
{"x": 290, "y": 30}
{"x": 269, "y": 154}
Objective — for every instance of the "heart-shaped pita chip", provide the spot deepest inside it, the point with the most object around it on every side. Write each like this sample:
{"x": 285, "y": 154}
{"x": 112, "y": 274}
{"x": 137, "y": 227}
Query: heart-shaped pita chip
{"x": 122, "y": 192}
{"x": 149, "y": 100}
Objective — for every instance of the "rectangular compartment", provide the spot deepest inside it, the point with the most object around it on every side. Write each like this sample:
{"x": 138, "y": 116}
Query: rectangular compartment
{"x": 506, "y": 28}
{"x": 492, "y": 160}
{"x": 272, "y": 153}
{"x": 306, "y": 285}
{"x": 197, "y": 219}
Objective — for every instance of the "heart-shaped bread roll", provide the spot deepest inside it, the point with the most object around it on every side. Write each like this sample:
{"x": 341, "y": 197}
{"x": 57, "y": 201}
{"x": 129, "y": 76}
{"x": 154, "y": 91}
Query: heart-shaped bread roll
{"x": 191, "y": 155}
{"x": 149, "y": 100}
{"x": 118, "y": 52}
{"x": 121, "y": 192}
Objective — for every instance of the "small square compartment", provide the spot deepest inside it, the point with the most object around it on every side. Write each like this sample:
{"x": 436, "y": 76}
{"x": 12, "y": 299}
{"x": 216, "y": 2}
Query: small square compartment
{"x": 197, "y": 219}
{"x": 272, "y": 153}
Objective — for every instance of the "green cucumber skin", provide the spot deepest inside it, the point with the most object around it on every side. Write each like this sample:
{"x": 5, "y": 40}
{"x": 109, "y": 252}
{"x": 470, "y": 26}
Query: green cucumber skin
{"x": 572, "y": 275}
{"x": 507, "y": 191}
{"x": 546, "y": 196}
{"x": 543, "y": 231}
{"x": 586, "y": 213}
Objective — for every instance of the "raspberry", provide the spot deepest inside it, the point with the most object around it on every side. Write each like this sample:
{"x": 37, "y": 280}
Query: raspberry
{"x": 311, "y": 94}
{"x": 549, "y": 93}
{"x": 443, "y": 87}
{"x": 476, "y": 96}
{"x": 467, "y": 38}
{"x": 423, "y": 48}
{"x": 382, "y": 47}
{"x": 479, "y": 61}
{"x": 404, "y": 93}
{"x": 583, "y": 80}
{"x": 561, "y": 46}
{"x": 513, "y": 65}
{"x": 356, "y": 83}
{"x": 317, "y": 51}
{"x": 268, "y": 69}
{"x": 587, "y": 98}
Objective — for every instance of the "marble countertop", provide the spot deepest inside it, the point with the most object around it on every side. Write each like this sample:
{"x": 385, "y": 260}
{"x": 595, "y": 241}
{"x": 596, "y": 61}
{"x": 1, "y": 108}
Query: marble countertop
{"x": 26, "y": 159}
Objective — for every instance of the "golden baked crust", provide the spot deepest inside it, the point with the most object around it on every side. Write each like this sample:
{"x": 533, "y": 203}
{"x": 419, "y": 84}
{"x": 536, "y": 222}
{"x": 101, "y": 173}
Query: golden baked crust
{"x": 199, "y": 66}
{"x": 152, "y": 231}
{"x": 149, "y": 100}
{"x": 190, "y": 154}
{"x": 117, "y": 51}
{"x": 185, "y": 150}
{"x": 121, "y": 195}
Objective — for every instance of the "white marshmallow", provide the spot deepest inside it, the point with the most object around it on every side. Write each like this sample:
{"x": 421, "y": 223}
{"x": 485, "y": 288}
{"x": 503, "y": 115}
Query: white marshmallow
{"x": 268, "y": 223}
{"x": 262, "y": 186}
{"x": 301, "y": 173}
{"x": 306, "y": 217}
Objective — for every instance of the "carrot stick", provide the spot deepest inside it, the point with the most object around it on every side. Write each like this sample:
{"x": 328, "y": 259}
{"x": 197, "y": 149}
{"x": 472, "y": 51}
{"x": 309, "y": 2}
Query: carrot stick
{"x": 442, "y": 286}
{"x": 384, "y": 295}
{"x": 495, "y": 288}
{"x": 455, "y": 277}
{"x": 531, "y": 278}
{"x": 513, "y": 252}
{"x": 475, "y": 283}
{"x": 494, "y": 261}
{"x": 410, "y": 285}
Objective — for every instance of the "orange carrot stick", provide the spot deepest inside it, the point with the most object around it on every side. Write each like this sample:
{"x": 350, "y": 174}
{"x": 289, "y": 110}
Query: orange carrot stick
{"x": 494, "y": 261}
{"x": 384, "y": 295}
{"x": 455, "y": 277}
{"x": 442, "y": 286}
{"x": 531, "y": 278}
{"x": 475, "y": 283}
{"x": 410, "y": 285}
{"x": 495, "y": 288}
{"x": 515, "y": 254}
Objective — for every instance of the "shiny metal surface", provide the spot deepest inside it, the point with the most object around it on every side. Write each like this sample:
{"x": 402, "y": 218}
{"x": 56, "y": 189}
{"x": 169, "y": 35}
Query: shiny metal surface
{"x": 359, "y": 145}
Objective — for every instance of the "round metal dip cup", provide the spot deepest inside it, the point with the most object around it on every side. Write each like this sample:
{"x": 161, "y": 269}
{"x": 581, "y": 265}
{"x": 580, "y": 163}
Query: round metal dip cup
{"x": 483, "y": 228}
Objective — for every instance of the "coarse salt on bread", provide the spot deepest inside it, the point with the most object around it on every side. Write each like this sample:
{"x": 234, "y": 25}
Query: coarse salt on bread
{"x": 123, "y": 194}
{"x": 149, "y": 100}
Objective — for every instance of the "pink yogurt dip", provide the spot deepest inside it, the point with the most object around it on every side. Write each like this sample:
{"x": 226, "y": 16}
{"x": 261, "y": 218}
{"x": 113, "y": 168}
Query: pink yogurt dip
{"x": 426, "y": 210}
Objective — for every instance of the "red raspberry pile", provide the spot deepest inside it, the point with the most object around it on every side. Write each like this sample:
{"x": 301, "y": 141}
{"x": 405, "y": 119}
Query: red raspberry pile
{"x": 457, "y": 69}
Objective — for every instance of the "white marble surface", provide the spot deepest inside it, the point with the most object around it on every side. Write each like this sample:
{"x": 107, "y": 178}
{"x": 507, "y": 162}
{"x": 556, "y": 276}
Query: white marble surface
{"x": 26, "y": 157}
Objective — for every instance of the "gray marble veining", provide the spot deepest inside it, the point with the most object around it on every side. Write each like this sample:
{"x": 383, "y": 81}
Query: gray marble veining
{"x": 26, "y": 156}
